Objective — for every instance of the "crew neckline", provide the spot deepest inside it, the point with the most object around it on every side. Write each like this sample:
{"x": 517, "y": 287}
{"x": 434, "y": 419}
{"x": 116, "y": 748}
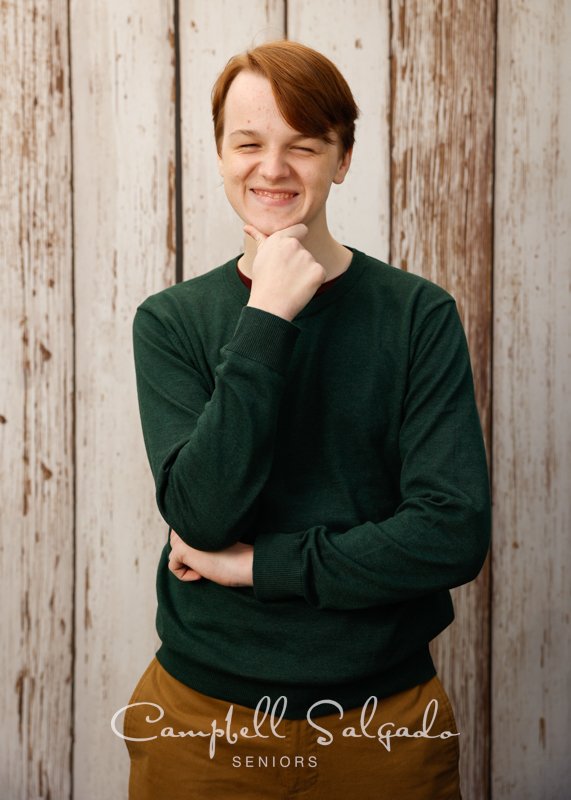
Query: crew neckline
{"x": 325, "y": 286}
{"x": 339, "y": 286}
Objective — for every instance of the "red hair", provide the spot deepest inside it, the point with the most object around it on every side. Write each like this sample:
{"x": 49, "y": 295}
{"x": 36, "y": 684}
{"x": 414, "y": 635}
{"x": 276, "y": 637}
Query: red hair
{"x": 310, "y": 92}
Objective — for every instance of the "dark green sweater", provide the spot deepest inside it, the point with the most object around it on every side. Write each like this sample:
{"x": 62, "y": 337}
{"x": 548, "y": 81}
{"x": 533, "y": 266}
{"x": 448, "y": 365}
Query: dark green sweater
{"x": 346, "y": 446}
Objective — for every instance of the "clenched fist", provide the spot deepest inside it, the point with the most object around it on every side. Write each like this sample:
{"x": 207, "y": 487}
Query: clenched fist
{"x": 285, "y": 276}
{"x": 232, "y": 566}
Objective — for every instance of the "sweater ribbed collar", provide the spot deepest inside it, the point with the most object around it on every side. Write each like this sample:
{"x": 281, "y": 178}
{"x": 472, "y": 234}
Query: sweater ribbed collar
{"x": 332, "y": 289}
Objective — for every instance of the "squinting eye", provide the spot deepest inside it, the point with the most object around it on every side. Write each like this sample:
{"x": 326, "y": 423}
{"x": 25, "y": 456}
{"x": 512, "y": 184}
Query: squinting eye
{"x": 305, "y": 149}
{"x": 247, "y": 145}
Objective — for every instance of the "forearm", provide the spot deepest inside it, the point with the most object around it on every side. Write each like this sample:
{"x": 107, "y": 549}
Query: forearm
{"x": 373, "y": 563}
{"x": 207, "y": 488}
{"x": 211, "y": 452}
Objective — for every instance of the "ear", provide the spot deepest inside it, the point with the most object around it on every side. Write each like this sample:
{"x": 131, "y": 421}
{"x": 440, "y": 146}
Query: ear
{"x": 343, "y": 167}
{"x": 220, "y": 167}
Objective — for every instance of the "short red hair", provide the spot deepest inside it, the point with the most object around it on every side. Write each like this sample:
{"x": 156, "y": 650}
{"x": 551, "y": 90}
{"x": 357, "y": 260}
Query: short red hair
{"x": 311, "y": 94}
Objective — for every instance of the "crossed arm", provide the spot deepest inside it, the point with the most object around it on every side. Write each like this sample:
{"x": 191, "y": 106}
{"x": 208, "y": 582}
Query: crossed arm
{"x": 438, "y": 536}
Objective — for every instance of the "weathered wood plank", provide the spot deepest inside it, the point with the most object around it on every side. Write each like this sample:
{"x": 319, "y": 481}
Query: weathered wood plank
{"x": 36, "y": 402}
{"x": 355, "y": 36}
{"x": 124, "y": 172}
{"x": 210, "y": 34}
{"x": 441, "y": 227}
{"x": 531, "y": 643}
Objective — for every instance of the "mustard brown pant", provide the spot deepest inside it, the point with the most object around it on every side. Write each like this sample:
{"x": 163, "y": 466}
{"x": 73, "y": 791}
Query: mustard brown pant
{"x": 227, "y": 751}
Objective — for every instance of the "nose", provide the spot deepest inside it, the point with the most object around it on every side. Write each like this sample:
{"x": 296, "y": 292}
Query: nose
{"x": 274, "y": 165}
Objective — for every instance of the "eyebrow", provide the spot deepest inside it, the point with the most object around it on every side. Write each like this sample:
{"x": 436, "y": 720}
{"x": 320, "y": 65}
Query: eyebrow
{"x": 247, "y": 132}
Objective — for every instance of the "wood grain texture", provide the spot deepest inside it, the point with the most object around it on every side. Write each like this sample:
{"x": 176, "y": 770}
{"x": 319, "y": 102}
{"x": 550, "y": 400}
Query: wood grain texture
{"x": 442, "y": 91}
{"x": 123, "y": 103}
{"x": 531, "y": 677}
{"x": 36, "y": 402}
{"x": 210, "y": 34}
{"x": 355, "y": 36}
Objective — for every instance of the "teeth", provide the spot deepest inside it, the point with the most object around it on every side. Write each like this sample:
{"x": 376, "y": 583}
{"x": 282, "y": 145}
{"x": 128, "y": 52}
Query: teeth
{"x": 275, "y": 195}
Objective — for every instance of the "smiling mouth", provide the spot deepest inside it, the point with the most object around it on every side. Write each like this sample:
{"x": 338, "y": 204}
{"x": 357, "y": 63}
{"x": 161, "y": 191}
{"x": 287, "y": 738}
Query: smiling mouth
{"x": 275, "y": 195}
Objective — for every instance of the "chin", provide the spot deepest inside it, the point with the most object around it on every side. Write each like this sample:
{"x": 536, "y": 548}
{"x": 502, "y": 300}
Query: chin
{"x": 268, "y": 227}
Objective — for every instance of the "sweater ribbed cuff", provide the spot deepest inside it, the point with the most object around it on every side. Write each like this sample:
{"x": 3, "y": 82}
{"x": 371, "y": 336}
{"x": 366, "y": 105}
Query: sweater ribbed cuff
{"x": 264, "y": 337}
{"x": 277, "y": 566}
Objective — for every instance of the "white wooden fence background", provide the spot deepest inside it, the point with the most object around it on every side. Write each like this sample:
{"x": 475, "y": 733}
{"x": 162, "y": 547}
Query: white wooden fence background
{"x": 109, "y": 191}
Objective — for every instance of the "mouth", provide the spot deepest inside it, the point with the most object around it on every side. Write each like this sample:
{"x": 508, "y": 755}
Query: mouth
{"x": 274, "y": 197}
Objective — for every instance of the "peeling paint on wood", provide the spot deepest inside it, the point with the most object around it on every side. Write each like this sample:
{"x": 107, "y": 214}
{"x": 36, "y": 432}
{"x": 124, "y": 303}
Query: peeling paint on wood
{"x": 442, "y": 78}
{"x": 36, "y": 397}
{"x": 125, "y": 241}
{"x": 531, "y": 635}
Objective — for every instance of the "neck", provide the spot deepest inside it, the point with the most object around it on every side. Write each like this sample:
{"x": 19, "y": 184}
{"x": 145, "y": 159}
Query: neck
{"x": 328, "y": 252}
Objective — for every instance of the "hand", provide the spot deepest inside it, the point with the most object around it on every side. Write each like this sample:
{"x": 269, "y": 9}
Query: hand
{"x": 232, "y": 566}
{"x": 285, "y": 276}
{"x": 177, "y": 563}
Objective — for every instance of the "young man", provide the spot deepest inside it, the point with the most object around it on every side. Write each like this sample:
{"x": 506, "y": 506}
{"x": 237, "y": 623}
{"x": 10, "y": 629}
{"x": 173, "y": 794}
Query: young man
{"x": 309, "y": 417}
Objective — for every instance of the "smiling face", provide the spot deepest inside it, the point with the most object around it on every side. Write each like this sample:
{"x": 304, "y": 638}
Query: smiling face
{"x": 274, "y": 176}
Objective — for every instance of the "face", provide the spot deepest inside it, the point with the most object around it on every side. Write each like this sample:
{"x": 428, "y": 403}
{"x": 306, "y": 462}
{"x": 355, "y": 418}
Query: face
{"x": 274, "y": 177}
